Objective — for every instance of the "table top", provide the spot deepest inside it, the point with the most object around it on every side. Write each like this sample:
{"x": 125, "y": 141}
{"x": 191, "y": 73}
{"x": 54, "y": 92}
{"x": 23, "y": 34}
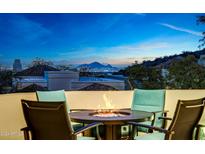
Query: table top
{"x": 130, "y": 115}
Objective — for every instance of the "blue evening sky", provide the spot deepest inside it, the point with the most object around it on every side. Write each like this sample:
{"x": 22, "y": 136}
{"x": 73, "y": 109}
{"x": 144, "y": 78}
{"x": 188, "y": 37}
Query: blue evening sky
{"x": 117, "y": 39}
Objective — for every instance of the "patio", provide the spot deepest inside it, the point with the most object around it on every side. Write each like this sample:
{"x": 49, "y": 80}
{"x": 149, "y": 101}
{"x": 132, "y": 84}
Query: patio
{"x": 12, "y": 119}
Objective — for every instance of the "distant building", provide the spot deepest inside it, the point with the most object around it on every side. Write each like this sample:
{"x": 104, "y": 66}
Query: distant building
{"x": 51, "y": 78}
{"x": 88, "y": 82}
{"x": 32, "y": 75}
{"x": 201, "y": 60}
{"x": 57, "y": 80}
{"x": 164, "y": 72}
{"x": 17, "y": 67}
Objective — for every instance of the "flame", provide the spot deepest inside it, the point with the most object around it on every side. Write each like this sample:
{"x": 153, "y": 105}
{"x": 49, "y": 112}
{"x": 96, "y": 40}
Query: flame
{"x": 107, "y": 108}
{"x": 108, "y": 102}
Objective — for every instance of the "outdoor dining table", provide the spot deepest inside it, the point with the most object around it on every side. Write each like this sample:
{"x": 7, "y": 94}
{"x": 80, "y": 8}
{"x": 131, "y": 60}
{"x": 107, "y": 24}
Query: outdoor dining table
{"x": 112, "y": 124}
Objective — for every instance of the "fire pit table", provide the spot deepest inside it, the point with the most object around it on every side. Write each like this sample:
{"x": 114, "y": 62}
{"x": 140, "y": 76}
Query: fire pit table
{"x": 112, "y": 120}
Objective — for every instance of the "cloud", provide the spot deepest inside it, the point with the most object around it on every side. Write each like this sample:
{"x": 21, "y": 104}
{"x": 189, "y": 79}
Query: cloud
{"x": 119, "y": 62}
{"x": 108, "y": 22}
{"x": 75, "y": 52}
{"x": 18, "y": 27}
{"x": 119, "y": 50}
{"x": 146, "y": 46}
{"x": 127, "y": 60}
{"x": 115, "y": 55}
{"x": 181, "y": 29}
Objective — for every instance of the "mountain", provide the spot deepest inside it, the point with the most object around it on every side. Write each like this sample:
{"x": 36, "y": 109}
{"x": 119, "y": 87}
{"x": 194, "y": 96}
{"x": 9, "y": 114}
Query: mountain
{"x": 98, "y": 67}
{"x": 164, "y": 62}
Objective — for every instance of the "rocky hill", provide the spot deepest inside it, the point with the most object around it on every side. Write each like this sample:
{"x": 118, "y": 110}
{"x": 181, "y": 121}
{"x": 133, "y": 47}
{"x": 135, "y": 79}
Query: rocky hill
{"x": 167, "y": 60}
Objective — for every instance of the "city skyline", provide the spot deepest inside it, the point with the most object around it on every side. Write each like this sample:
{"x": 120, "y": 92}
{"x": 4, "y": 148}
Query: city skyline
{"x": 116, "y": 39}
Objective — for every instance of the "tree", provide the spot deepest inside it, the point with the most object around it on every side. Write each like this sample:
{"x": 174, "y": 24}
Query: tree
{"x": 186, "y": 74}
{"x": 145, "y": 77}
{"x": 5, "y": 79}
{"x": 201, "y": 20}
{"x": 154, "y": 79}
{"x": 39, "y": 61}
{"x": 136, "y": 72}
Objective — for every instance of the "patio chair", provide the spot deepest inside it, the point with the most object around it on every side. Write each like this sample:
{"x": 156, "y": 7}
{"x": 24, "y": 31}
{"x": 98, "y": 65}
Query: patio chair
{"x": 150, "y": 101}
{"x": 56, "y": 96}
{"x": 186, "y": 118}
{"x": 50, "y": 121}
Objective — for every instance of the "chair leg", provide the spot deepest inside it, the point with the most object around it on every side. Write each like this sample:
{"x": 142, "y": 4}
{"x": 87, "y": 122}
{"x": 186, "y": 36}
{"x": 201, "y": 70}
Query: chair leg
{"x": 197, "y": 134}
{"x": 133, "y": 132}
{"x": 164, "y": 125}
{"x": 26, "y": 135}
{"x": 136, "y": 131}
{"x": 83, "y": 132}
{"x": 98, "y": 133}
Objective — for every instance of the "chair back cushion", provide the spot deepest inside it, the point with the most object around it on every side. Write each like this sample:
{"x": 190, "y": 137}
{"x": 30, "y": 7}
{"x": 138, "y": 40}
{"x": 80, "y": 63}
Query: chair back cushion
{"x": 148, "y": 98}
{"x": 47, "y": 121}
{"x": 52, "y": 96}
{"x": 150, "y": 101}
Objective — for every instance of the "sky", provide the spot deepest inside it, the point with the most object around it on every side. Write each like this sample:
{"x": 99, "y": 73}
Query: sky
{"x": 116, "y": 39}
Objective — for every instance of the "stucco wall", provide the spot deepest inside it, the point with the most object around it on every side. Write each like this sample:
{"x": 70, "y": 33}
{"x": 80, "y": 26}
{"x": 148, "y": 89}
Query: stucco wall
{"x": 172, "y": 96}
{"x": 12, "y": 120}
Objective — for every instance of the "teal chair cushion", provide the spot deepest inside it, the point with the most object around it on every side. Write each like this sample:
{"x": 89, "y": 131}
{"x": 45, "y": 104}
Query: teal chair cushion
{"x": 154, "y": 98}
{"x": 52, "y": 96}
{"x": 150, "y": 101}
{"x": 152, "y": 136}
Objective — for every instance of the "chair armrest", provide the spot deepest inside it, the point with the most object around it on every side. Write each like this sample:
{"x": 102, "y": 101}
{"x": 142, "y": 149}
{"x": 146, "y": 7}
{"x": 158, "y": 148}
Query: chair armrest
{"x": 165, "y": 111}
{"x": 125, "y": 109}
{"x": 152, "y": 128}
{"x": 165, "y": 118}
{"x": 89, "y": 126}
{"x": 25, "y": 129}
{"x": 200, "y": 125}
{"x": 26, "y": 132}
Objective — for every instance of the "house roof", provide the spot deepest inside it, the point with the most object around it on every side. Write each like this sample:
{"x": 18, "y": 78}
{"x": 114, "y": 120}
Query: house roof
{"x": 98, "y": 86}
{"x": 32, "y": 88}
{"x": 37, "y": 70}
